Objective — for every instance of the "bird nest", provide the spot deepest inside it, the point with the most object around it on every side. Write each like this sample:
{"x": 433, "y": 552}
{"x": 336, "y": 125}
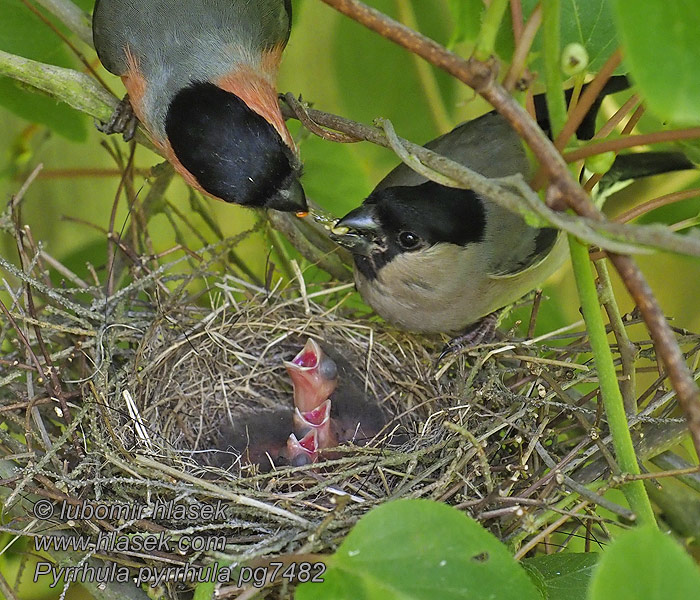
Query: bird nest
{"x": 139, "y": 386}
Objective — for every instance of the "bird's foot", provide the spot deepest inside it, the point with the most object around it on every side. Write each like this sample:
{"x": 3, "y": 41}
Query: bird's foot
{"x": 123, "y": 120}
{"x": 481, "y": 332}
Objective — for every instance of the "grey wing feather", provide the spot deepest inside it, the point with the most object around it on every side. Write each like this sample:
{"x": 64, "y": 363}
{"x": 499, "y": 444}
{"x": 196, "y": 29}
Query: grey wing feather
{"x": 179, "y": 42}
{"x": 179, "y": 29}
{"x": 487, "y": 144}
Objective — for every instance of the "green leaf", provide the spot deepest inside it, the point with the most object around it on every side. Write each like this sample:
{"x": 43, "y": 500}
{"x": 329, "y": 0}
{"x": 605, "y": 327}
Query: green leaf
{"x": 645, "y": 564}
{"x": 563, "y": 576}
{"x": 586, "y": 22}
{"x": 383, "y": 87}
{"x": 349, "y": 183}
{"x": 24, "y": 34}
{"x": 204, "y": 590}
{"x": 418, "y": 549}
{"x": 467, "y": 18}
{"x": 663, "y": 54}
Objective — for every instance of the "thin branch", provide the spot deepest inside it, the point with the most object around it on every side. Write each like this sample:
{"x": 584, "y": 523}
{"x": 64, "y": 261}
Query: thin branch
{"x": 76, "y": 89}
{"x": 655, "y": 203}
{"x": 630, "y": 141}
{"x": 564, "y": 190}
{"x": 490, "y": 24}
{"x": 68, "y": 42}
{"x": 71, "y": 16}
{"x": 522, "y": 48}
{"x": 626, "y": 348}
{"x": 588, "y": 97}
{"x": 511, "y": 192}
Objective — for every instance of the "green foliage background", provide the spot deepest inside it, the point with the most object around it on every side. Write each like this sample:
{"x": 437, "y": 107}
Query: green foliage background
{"x": 335, "y": 64}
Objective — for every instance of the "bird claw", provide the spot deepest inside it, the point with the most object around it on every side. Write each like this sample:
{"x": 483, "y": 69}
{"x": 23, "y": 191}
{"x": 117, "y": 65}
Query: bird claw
{"x": 123, "y": 120}
{"x": 481, "y": 332}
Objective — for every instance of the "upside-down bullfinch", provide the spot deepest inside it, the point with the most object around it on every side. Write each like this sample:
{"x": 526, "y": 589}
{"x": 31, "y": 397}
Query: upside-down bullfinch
{"x": 201, "y": 78}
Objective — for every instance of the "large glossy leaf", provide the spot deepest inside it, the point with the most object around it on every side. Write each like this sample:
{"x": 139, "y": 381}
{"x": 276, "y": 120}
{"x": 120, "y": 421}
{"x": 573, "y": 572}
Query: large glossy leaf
{"x": 663, "y": 54}
{"x": 645, "y": 564}
{"x": 467, "y": 19}
{"x": 563, "y": 576}
{"x": 587, "y": 22}
{"x": 421, "y": 550}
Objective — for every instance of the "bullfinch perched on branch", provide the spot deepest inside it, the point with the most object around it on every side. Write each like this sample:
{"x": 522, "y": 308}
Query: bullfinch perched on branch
{"x": 436, "y": 259}
{"x": 201, "y": 78}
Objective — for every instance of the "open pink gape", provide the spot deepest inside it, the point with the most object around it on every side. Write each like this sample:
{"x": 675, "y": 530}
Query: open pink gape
{"x": 314, "y": 378}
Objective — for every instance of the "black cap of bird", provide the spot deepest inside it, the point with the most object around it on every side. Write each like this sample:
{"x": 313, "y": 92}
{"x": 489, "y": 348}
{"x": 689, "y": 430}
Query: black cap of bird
{"x": 435, "y": 259}
{"x": 201, "y": 77}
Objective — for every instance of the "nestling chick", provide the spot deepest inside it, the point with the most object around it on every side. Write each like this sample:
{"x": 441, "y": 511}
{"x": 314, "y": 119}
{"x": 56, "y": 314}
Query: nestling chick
{"x": 201, "y": 78}
{"x": 329, "y": 408}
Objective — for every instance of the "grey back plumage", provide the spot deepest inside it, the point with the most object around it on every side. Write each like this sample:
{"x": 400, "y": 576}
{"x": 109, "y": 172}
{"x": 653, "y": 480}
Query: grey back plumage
{"x": 203, "y": 39}
{"x": 487, "y": 144}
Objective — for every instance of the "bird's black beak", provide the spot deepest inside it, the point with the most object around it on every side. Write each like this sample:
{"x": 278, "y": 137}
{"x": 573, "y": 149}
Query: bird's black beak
{"x": 291, "y": 199}
{"x": 359, "y": 231}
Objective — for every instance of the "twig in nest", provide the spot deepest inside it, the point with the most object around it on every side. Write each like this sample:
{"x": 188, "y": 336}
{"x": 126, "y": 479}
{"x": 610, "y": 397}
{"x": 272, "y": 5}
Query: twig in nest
{"x": 563, "y": 191}
{"x": 302, "y": 114}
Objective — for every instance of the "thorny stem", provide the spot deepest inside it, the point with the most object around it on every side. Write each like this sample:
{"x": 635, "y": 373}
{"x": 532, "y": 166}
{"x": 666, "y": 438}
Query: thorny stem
{"x": 481, "y": 76}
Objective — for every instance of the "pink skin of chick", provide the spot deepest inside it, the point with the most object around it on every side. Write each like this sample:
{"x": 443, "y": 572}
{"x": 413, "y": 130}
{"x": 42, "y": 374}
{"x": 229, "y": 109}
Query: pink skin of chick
{"x": 314, "y": 377}
{"x": 320, "y": 420}
{"x": 303, "y": 451}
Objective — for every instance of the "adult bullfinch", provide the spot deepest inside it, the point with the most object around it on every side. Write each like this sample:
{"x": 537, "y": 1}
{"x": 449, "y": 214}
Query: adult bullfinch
{"x": 436, "y": 259}
{"x": 201, "y": 78}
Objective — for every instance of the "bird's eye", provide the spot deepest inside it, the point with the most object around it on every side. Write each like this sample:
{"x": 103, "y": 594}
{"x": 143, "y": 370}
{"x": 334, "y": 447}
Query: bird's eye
{"x": 408, "y": 240}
